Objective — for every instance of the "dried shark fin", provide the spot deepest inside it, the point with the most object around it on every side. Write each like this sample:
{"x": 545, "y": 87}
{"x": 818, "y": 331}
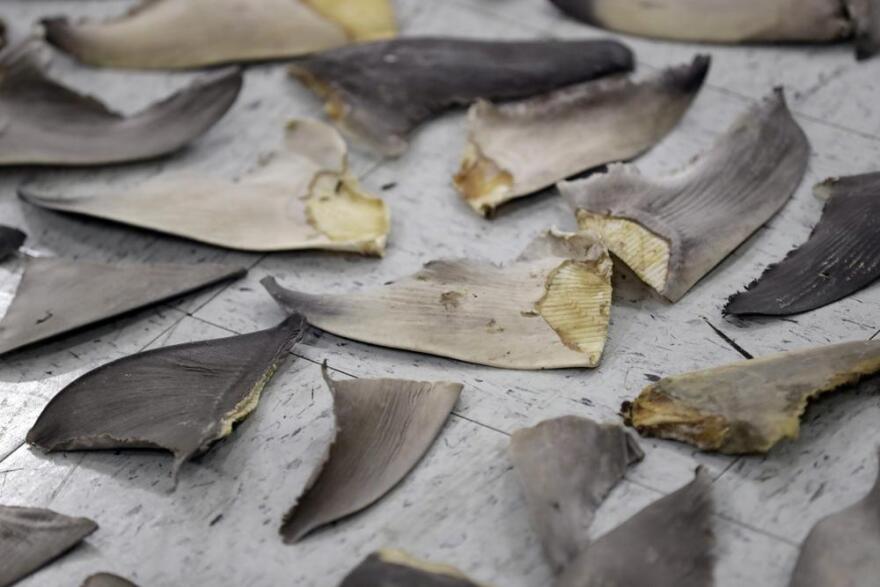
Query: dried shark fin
{"x": 395, "y": 568}
{"x": 365, "y": 460}
{"x": 31, "y": 538}
{"x": 744, "y": 21}
{"x": 668, "y": 544}
{"x": 107, "y": 580}
{"x": 10, "y": 240}
{"x": 547, "y": 310}
{"x": 841, "y": 257}
{"x": 302, "y": 198}
{"x": 713, "y": 410}
{"x": 520, "y": 148}
{"x": 45, "y": 123}
{"x": 57, "y": 296}
{"x": 380, "y": 92}
{"x": 672, "y": 231}
{"x": 181, "y": 398}
{"x": 567, "y": 467}
{"x": 169, "y": 34}
{"x": 843, "y": 548}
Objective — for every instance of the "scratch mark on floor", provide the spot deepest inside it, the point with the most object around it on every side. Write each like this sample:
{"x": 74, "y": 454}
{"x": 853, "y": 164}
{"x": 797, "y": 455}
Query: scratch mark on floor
{"x": 730, "y": 342}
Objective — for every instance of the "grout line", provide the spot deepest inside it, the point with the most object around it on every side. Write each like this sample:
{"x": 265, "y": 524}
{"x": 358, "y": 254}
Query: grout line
{"x": 726, "y": 469}
{"x": 481, "y": 424}
{"x": 164, "y": 331}
{"x": 724, "y": 517}
{"x": 757, "y": 530}
{"x": 209, "y": 323}
{"x": 796, "y": 112}
{"x": 644, "y": 485}
{"x": 222, "y": 288}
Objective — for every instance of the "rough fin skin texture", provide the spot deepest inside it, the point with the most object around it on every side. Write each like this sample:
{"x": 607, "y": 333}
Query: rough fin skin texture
{"x": 843, "y": 549}
{"x": 31, "y": 538}
{"x": 395, "y": 568}
{"x": 742, "y": 21}
{"x": 668, "y": 544}
{"x": 180, "y": 398}
{"x": 567, "y": 467}
{"x": 107, "y": 580}
{"x": 547, "y": 310}
{"x": 866, "y": 18}
{"x": 366, "y": 461}
{"x": 57, "y": 296}
{"x": 45, "y": 123}
{"x": 10, "y": 240}
{"x": 171, "y": 34}
{"x": 520, "y": 148}
{"x": 714, "y": 411}
{"x": 672, "y": 231}
{"x": 380, "y": 92}
{"x": 304, "y": 197}
{"x": 841, "y": 257}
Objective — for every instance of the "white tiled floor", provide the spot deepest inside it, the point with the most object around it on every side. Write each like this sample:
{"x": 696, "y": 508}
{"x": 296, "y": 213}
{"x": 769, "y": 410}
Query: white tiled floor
{"x": 462, "y": 505}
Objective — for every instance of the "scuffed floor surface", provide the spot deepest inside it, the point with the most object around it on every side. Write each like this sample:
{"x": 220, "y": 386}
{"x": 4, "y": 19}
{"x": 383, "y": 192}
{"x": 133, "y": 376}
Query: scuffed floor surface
{"x": 463, "y": 504}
